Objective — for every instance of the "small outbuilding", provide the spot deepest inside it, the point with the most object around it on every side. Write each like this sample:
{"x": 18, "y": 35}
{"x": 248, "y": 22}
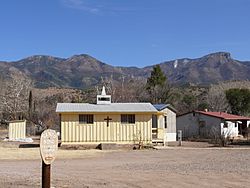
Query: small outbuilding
{"x": 164, "y": 123}
{"x": 17, "y": 130}
{"x": 205, "y": 124}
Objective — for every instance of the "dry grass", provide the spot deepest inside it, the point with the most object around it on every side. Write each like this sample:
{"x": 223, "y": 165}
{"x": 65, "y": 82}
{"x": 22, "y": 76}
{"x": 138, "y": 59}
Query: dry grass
{"x": 3, "y": 132}
{"x": 34, "y": 153}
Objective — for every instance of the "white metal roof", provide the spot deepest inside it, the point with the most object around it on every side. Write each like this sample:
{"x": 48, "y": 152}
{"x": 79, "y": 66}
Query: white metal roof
{"x": 113, "y": 107}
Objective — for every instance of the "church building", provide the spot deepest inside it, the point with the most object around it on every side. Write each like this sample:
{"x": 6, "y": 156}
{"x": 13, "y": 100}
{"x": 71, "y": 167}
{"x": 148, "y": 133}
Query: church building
{"x": 107, "y": 122}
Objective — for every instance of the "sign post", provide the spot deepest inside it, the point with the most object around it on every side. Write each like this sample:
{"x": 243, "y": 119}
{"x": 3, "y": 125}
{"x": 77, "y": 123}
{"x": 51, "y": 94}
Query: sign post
{"x": 45, "y": 175}
{"x": 48, "y": 149}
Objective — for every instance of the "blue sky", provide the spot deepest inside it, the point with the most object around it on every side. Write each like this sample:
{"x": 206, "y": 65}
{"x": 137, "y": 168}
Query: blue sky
{"x": 124, "y": 32}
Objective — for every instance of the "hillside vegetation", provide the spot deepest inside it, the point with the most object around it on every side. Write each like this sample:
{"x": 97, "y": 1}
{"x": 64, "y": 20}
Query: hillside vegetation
{"x": 84, "y": 71}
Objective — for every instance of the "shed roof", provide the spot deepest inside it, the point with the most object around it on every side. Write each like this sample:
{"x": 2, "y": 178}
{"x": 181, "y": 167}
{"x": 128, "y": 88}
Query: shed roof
{"x": 224, "y": 115}
{"x": 113, "y": 107}
{"x": 161, "y": 107}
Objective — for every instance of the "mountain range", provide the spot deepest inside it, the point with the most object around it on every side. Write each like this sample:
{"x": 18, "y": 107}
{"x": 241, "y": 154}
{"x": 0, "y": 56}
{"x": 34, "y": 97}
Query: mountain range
{"x": 83, "y": 71}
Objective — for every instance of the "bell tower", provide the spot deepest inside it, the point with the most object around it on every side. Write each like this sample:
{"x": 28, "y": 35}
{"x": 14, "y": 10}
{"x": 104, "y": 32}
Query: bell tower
{"x": 103, "y": 98}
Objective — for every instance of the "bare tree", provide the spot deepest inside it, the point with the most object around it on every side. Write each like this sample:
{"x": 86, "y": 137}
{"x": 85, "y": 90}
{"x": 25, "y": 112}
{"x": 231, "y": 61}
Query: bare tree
{"x": 138, "y": 140}
{"x": 2, "y": 90}
{"x": 221, "y": 138}
{"x": 216, "y": 98}
{"x": 14, "y": 97}
{"x": 110, "y": 86}
{"x": 127, "y": 90}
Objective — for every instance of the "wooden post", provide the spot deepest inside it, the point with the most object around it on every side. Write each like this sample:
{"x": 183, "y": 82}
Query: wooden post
{"x": 45, "y": 175}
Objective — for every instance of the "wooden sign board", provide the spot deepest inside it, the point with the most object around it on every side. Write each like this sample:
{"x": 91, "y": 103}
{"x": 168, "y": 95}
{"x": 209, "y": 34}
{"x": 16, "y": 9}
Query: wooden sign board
{"x": 48, "y": 145}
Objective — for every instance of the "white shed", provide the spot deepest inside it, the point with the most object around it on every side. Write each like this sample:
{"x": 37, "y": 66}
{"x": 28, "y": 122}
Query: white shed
{"x": 17, "y": 129}
{"x": 164, "y": 123}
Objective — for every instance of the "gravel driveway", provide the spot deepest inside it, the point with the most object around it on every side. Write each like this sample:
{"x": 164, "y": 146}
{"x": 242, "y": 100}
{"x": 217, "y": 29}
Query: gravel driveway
{"x": 176, "y": 167}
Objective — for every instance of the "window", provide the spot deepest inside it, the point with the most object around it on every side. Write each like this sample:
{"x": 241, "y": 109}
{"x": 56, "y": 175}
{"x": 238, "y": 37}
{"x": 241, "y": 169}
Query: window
{"x": 154, "y": 121}
{"x": 86, "y": 118}
{"x": 103, "y": 99}
{"x": 128, "y": 118}
{"x": 225, "y": 125}
{"x": 165, "y": 122}
{"x": 202, "y": 123}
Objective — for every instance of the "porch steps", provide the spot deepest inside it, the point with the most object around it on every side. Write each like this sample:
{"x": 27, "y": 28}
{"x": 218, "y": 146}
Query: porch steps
{"x": 157, "y": 141}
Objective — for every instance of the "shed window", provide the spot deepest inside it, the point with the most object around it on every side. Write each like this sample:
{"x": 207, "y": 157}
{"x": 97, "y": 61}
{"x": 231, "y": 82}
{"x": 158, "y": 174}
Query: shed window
{"x": 86, "y": 118}
{"x": 165, "y": 122}
{"x": 128, "y": 118}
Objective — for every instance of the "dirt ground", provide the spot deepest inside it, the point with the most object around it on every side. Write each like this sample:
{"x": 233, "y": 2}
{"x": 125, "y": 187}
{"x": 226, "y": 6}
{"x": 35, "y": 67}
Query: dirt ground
{"x": 172, "y": 167}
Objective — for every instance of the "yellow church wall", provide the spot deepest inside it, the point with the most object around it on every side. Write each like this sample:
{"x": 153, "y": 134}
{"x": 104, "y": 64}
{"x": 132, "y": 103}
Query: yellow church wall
{"x": 73, "y": 132}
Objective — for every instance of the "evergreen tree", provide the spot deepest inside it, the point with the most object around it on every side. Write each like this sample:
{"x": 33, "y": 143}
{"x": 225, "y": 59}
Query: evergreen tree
{"x": 157, "y": 77}
{"x": 239, "y": 100}
{"x": 157, "y": 86}
{"x": 189, "y": 101}
{"x": 30, "y": 104}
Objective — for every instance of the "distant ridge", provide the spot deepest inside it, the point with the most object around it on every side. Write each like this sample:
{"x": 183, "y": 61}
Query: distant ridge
{"x": 83, "y": 71}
